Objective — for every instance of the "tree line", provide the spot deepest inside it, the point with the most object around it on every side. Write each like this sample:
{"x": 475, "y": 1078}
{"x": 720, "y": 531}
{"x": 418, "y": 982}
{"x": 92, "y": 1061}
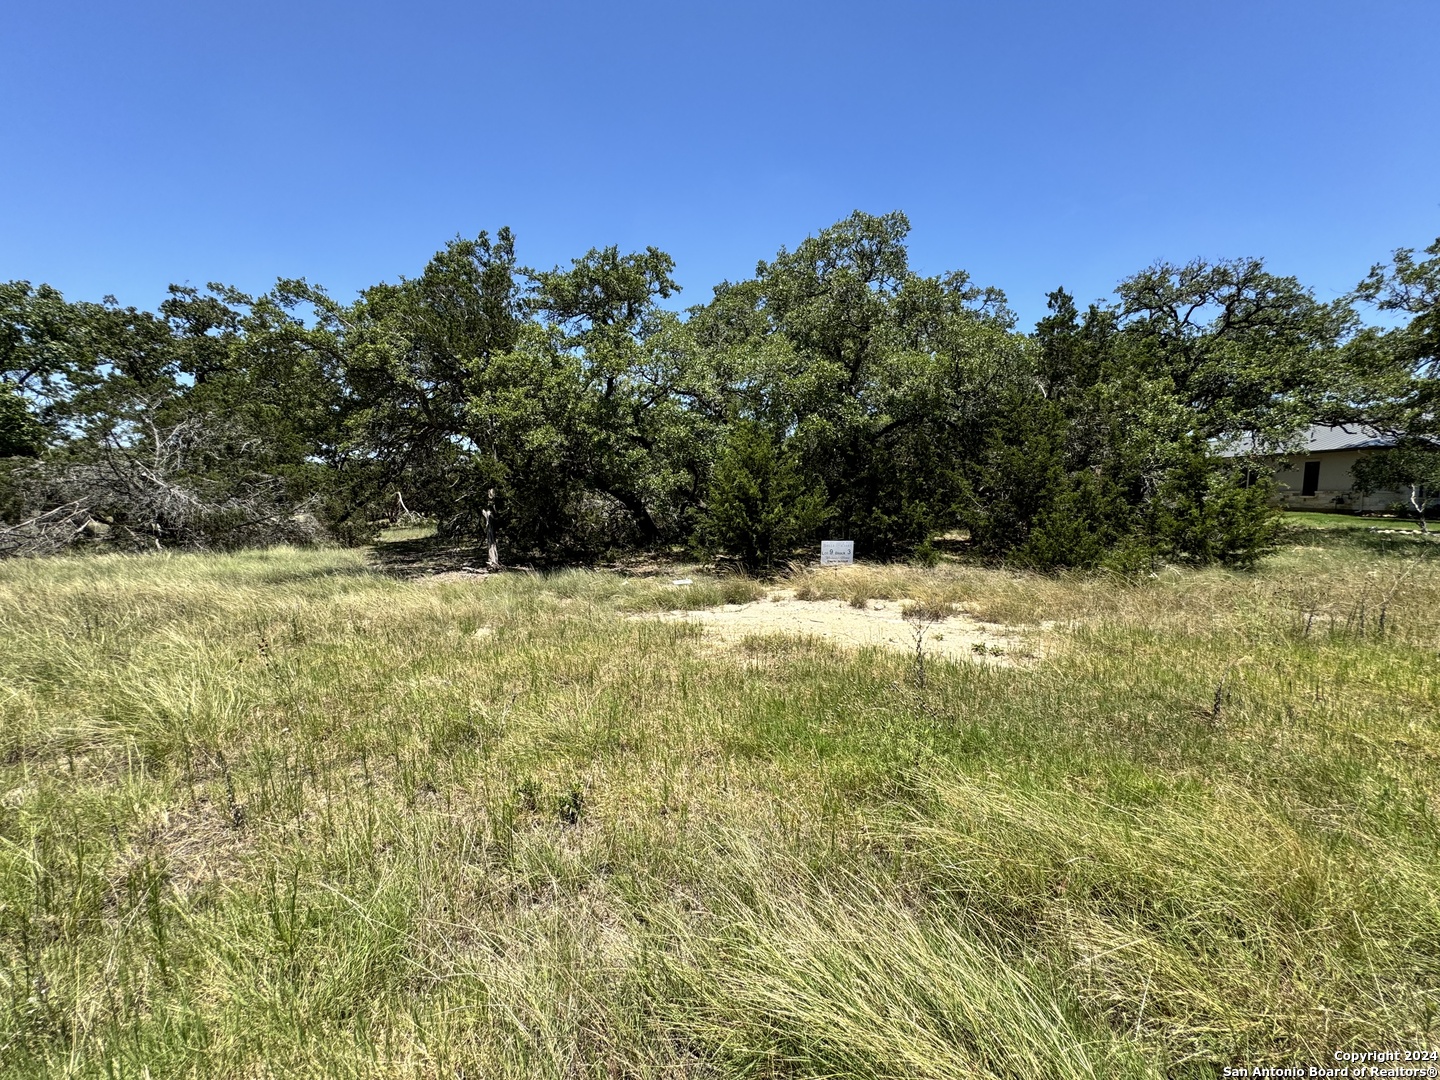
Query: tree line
{"x": 561, "y": 414}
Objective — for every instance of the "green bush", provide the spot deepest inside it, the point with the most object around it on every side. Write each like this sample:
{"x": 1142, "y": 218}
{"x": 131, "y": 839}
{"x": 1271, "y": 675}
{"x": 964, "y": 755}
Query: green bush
{"x": 1208, "y": 511}
{"x": 758, "y": 506}
{"x": 1084, "y": 520}
{"x": 11, "y": 504}
{"x": 926, "y": 554}
{"x": 1411, "y": 468}
{"x": 1009, "y": 488}
{"x": 20, "y": 433}
{"x": 1033, "y": 501}
{"x": 1027, "y": 505}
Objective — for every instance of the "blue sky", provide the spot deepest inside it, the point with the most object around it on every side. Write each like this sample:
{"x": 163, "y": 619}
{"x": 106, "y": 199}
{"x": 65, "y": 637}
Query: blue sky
{"x": 1034, "y": 144}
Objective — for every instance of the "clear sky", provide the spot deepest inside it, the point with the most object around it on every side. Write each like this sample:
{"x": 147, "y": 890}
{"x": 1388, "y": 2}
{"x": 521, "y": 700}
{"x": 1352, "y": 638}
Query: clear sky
{"x": 1033, "y": 143}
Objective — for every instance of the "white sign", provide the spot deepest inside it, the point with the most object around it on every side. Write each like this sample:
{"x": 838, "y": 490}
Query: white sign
{"x": 837, "y": 552}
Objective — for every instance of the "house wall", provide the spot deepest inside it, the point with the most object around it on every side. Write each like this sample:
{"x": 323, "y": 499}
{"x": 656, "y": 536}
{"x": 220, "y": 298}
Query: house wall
{"x": 1336, "y": 489}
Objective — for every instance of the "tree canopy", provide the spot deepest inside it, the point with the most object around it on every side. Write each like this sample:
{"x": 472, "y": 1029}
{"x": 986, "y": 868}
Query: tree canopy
{"x": 567, "y": 412}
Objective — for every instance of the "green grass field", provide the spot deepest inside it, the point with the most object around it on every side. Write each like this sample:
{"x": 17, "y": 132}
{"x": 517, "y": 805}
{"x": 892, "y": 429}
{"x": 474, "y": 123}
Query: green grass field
{"x": 277, "y": 814}
{"x": 1310, "y": 520}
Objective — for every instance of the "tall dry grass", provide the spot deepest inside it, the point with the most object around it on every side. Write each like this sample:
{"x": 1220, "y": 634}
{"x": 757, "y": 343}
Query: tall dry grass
{"x": 277, "y": 814}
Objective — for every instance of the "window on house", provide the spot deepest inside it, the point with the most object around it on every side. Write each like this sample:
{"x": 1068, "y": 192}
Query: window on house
{"x": 1311, "y": 483}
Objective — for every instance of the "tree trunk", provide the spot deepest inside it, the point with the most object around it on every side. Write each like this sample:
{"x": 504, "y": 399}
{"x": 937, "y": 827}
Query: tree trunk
{"x": 649, "y": 531}
{"x": 492, "y": 560}
{"x": 1419, "y": 504}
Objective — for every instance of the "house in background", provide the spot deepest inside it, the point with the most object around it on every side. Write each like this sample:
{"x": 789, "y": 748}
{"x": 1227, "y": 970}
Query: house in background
{"x": 1317, "y": 475}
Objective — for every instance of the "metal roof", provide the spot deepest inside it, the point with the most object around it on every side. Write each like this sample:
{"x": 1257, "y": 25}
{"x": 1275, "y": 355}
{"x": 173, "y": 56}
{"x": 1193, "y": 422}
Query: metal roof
{"x": 1345, "y": 437}
{"x": 1320, "y": 438}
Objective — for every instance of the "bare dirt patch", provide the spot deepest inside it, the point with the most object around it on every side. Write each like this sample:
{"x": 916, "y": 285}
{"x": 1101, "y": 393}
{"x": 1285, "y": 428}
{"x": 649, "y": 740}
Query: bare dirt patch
{"x": 879, "y": 623}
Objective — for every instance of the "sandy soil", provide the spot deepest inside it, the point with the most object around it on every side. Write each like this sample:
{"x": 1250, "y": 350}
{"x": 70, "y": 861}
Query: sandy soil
{"x": 880, "y": 623}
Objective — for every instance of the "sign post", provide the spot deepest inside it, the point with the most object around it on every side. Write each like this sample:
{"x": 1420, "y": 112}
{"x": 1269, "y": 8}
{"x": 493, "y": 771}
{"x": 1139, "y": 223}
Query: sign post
{"x": 837, "y": 552}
